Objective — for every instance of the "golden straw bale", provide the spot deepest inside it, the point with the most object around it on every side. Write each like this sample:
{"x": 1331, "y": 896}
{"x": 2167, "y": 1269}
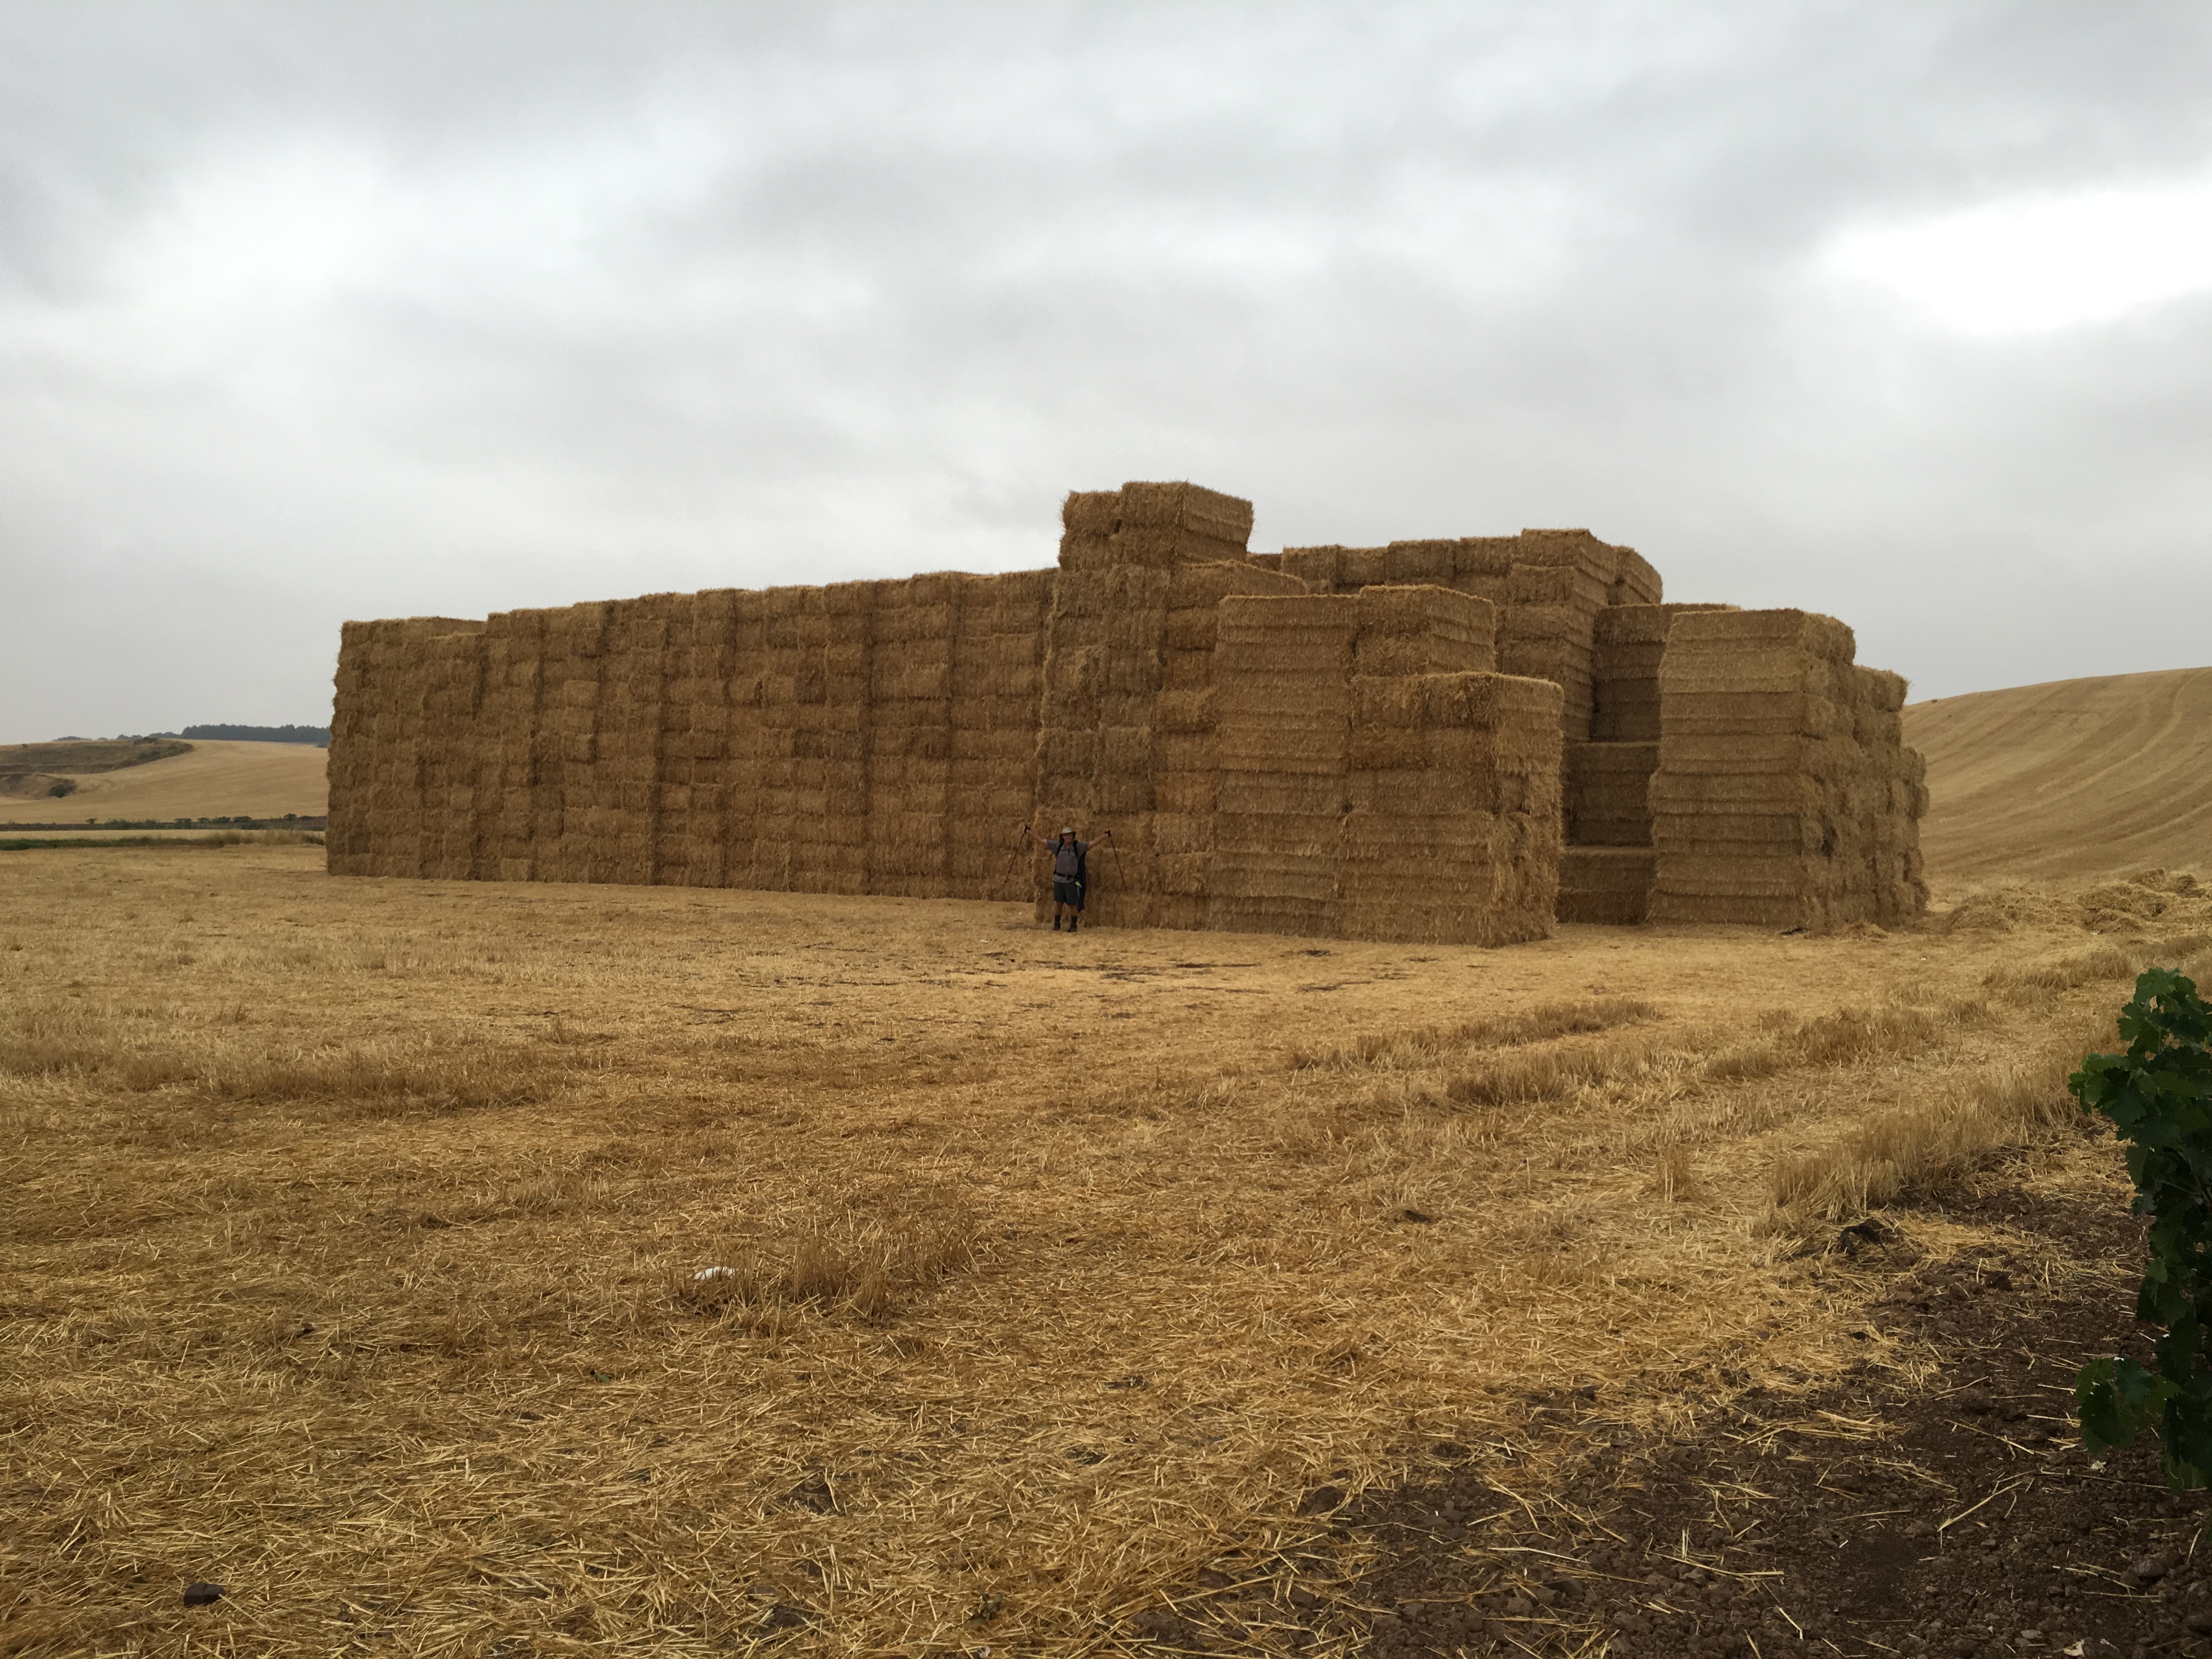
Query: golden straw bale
{"x": 1420, "y": 562}
{"x": 1606, "y": 883}
{"x": 1605, "y": 788}
{"x": 1637, "y": 581}
{"x": 1570, "y": 587}
{"x": 1423, "y": 630}
{"x": 1316, "y": 567}
{"x": 1821, "y": 637}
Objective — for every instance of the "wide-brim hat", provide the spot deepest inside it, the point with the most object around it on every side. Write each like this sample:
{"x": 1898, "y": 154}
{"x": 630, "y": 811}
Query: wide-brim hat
{"x": 1067, "y": 832}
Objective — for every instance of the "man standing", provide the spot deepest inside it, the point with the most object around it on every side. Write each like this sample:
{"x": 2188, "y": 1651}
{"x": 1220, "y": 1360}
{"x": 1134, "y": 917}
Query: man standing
{"x": 1069, "y": 874}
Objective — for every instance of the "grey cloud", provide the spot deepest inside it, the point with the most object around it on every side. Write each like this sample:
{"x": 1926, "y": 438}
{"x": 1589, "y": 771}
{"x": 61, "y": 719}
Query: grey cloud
{"x": 357, "y": 310}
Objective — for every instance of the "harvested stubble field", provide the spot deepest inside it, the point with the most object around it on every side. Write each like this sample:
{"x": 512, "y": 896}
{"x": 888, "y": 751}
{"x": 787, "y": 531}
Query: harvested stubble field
{"x": 355, "y": 1229}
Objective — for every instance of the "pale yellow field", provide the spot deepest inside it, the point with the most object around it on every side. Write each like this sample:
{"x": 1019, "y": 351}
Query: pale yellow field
{"x": 354, "y": 1226}
{"x": 2076, "y": 778}
{"x": 217, "y": 780}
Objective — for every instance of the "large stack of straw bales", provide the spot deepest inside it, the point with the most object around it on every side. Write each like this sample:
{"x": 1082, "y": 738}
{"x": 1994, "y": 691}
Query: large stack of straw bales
{"x": 1549, "y": 586}
{"x": 1135, "y": 564}
{"x": 1785, "y": 795}
{"x": 1452, "y": 739}
{"x": 1376, "y": 779}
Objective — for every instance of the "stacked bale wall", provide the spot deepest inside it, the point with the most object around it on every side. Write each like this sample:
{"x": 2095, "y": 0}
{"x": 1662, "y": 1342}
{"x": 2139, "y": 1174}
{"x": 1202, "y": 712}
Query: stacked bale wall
{"x": 869, "y": 737}
{"x": 1364, "y": 742}
{"x": 1186, "y": 757}
{"x": 1376, "y": 781}
{"x": 1768, "y": 807}
{"x": 1283, "y": 674}
{"x": 1451, "y": 831}
{"x": 997, "y": 670}
{"x": 1549, "y": 586}
{"x": 1105, "y": 660}
{"x": 383, "y": 754}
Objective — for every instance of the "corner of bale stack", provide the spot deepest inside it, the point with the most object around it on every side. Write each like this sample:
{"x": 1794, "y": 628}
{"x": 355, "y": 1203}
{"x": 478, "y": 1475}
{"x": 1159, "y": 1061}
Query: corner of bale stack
{"x": 1452, "y": 834}
{"x": 1627, "y": 642}
{"x": 405, "y": 730}
{"x": 1764, "y": 804}
{"x": 1555, "y": 587}
{"x": 1895, "y": 796}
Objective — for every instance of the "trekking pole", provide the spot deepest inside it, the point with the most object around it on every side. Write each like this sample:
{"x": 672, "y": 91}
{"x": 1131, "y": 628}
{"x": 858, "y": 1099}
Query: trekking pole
{"x": 1014, "y": 853}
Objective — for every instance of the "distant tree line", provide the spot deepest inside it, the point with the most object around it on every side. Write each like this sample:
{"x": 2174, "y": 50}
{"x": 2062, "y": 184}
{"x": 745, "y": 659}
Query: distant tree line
{"x": 318, "y": 735}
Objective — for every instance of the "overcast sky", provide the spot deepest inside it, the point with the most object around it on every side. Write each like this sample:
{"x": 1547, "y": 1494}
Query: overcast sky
{"x": 1903, "y": 312}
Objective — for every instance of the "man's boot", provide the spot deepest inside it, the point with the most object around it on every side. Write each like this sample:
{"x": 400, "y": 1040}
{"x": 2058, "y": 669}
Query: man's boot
{"x": 1055, "y": 924}
{"x": 1073, "y": 922}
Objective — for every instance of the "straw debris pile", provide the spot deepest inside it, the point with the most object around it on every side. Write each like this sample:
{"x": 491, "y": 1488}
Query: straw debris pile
{"x": 1768, "y": 806}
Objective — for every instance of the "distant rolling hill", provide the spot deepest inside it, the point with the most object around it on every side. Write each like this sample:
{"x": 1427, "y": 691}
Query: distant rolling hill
{"x": 214, "y": 780}
{"x": 2074, "y": 778}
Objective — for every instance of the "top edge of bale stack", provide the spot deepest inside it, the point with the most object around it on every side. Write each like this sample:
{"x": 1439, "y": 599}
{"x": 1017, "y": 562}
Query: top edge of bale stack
{"x": 1155, "y": 524}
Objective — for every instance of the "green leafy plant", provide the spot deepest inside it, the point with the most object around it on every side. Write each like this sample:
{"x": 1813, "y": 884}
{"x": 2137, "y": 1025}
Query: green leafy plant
{"x": 2159, "y": 1096}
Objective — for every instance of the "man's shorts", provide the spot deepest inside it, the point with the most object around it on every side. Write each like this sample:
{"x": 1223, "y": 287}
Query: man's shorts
{"x": 1066, "y": 891}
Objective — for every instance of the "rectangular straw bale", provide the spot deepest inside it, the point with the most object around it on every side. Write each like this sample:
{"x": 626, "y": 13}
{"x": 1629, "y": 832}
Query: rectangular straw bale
{"x": 1637, "y": 581}
{"x": 1607, "y": 790}
{"x": 1361, "y": 566}
{"x": 1702, "y": 794}
{"x": 1747, "y": 834}
{"x": 1162, "y": 524}
{"x": 1316, "y": 567}
{"x": 1574, "y": 548}
{"x": 1757, "y": 670}
{"x": 1186, "y": 671}
{"x": 1186, "y": 505}
{"x": 1820, "y": 636}
{"x": 1203, "y": 585}
{"x": 1573, "y": 588}
{"x": 1484, "y": 564}
{"x": 1625, "y": 710}
{"x": 1423, "y": 630}
{"x": 1619, "y": 626}
{"x": 1183, "y": 832}
{"x": 1784, "y": 875}
{"x": 1606, "y": 884}
{"x": 1752, "y": 714}
{"x": 1706, "y": 754}
{"x": 1420, "y": 562}
{"x": 1534, "y": 620}
{"x": 974, "y": 652}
